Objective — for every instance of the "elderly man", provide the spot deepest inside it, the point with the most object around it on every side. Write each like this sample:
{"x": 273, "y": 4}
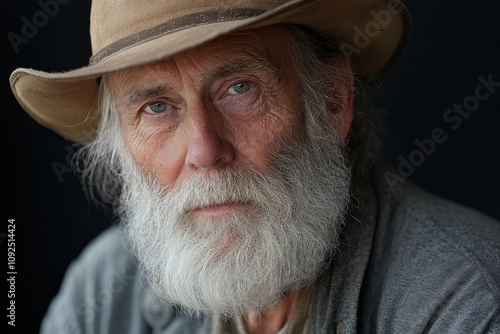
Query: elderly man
{"x": 243, "y": 164}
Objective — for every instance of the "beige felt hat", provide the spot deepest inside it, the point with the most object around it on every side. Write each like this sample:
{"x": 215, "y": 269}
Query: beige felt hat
{"x": 128, "y": 33}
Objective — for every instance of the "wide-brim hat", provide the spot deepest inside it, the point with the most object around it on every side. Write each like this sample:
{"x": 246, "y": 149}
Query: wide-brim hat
{"x": 129, "y": 33}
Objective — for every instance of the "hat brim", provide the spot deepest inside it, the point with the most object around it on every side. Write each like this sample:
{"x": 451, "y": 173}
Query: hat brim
{"x": 64, "y": 101}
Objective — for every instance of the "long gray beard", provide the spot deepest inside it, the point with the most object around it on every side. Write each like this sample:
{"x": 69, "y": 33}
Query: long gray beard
{"x": 244, "y": 261}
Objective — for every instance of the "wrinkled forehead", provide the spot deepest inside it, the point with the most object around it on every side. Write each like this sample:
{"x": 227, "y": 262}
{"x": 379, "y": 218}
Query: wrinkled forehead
{"x": 267, "y": 46}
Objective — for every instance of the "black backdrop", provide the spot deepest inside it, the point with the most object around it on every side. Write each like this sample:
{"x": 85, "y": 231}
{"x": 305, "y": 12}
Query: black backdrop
{"x": 452, "y": 43}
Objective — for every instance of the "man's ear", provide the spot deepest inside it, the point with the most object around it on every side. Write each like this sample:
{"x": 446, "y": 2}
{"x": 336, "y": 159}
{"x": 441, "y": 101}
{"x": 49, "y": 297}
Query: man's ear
{"x": 344, "y": 96}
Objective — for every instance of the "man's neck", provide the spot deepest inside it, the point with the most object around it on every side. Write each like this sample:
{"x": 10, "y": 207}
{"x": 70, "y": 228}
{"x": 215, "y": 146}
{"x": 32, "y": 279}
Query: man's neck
{"x": 271, "y": 321}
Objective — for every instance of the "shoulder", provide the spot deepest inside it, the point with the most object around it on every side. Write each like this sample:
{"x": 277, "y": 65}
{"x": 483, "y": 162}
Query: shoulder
{"x": 102, "y": 282}
{"x": 436, "y": 264}
{"x": 104, "y": 262}
{"x": 434, "y": 225}
{"x": 103, "y": 291}
{"x": 440, "y": 221}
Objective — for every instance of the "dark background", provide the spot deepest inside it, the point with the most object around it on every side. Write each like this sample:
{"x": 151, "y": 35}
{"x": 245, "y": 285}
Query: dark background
{"x": 451, "y": 44}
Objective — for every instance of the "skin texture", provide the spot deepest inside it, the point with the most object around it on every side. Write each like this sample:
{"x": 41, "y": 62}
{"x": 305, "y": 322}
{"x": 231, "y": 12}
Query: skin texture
{"x": 223, "y": 104}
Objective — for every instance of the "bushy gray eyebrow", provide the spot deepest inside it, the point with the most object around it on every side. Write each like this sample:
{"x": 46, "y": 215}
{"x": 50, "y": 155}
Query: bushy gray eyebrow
{"x": 138, "y": 95}
{"x": 240, "y": 65}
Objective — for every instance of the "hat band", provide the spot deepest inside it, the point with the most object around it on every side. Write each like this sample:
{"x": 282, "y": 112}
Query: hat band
{"x": 177, "y": 24}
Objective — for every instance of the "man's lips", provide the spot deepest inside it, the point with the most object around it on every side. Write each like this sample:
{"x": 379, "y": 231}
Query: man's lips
{"x": 219, "y": 209}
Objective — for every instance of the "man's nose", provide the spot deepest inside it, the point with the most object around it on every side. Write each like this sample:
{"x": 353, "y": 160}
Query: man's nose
{"x": 208, "y": 146}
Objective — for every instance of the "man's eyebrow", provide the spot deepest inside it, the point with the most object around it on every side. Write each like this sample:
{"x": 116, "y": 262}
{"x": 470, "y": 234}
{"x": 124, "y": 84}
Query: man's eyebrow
{"x": 136, "y": 96}
{"x": 239, "y": 65}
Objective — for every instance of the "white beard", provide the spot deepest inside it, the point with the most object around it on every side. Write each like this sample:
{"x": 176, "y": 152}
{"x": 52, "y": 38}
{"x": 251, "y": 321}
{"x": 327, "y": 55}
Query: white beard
{"x": 244, "y": 261}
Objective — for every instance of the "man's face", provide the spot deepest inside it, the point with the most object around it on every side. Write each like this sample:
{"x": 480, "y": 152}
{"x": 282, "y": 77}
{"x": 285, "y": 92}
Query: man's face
{"x": 226, "y": 103}
{"x": 228, "y": 199}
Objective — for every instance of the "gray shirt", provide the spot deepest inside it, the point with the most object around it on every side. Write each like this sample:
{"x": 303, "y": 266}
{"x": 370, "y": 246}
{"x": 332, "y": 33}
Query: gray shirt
{"x": 418, "y": 264}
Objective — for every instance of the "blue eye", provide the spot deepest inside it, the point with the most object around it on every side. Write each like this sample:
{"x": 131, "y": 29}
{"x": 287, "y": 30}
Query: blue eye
{"x": 240, "y": 88}
{"x": 157, "y": 107}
